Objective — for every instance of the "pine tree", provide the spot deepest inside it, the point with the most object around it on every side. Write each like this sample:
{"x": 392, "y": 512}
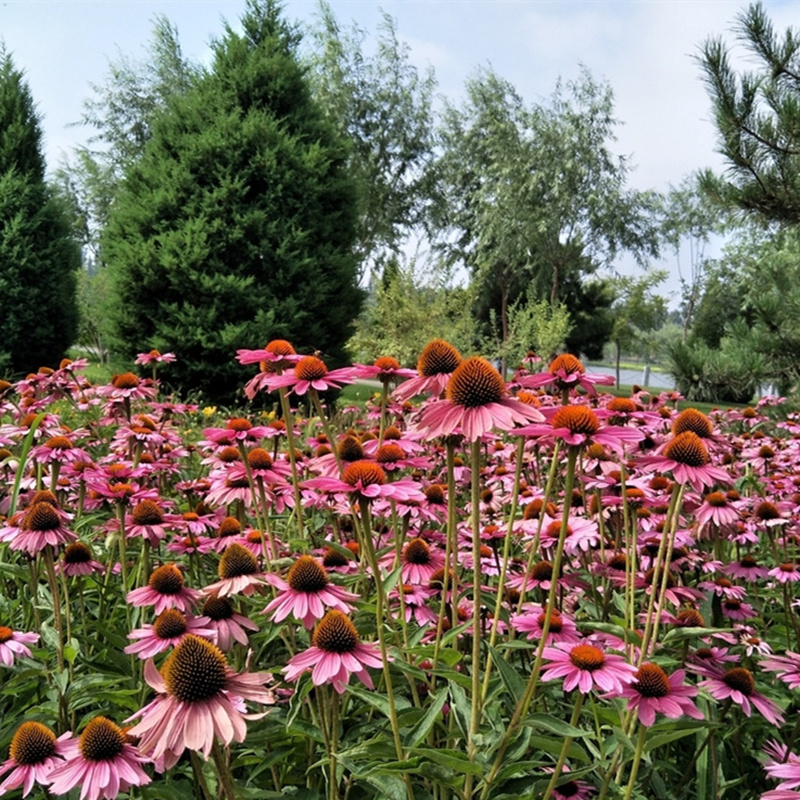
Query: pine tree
{"x": 237, "y": 224}
{"x": 38, "y": 256}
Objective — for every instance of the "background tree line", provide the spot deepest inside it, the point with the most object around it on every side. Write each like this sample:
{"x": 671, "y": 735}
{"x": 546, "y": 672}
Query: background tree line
{"x": 316, "y": 188}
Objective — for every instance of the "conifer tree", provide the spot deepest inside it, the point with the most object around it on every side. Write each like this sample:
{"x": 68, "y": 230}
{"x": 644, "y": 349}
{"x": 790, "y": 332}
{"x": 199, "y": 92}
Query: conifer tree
{"x": 38, "y": 256}
{"x": 237, "y": 223}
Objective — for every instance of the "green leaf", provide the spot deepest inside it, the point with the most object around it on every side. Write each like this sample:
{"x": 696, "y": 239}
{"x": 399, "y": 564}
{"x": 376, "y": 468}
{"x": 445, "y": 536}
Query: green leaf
{"x": 377, "y": 700}
{"x": 423, "y": 727}
{"x": 389, "y": 786}
{"x": 510, "y": 677}
{"x": 555, "y": 725}
{"x": 453, "y": 759}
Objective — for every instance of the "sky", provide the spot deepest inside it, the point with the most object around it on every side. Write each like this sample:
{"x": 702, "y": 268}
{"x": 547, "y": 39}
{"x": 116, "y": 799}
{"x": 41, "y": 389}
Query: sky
{"x": 645, "y": 49}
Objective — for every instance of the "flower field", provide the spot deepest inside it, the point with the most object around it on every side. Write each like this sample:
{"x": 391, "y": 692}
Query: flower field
{"x": 467, "y": 589}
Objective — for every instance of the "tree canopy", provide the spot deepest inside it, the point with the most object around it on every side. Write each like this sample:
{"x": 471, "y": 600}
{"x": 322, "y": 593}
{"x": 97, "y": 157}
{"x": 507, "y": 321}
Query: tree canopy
{"x": 236, "y": 224}
{"x": 38, "y": 257}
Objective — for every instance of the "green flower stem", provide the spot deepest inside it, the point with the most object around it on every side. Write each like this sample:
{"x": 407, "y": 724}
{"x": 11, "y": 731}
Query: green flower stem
{"x": 384, "y": 402}
{"x": 52, "y": 579}
{"x": 449, "y": 549}
{"x": 506, "y": 555}
{"x": 380, "y": 603}
{"x": 325, "y": 426}
{"x": 637, "y": 758}
{"x": 197, "y": 768}
{"x": 562, "y": 756}
{"x": 475, "y": 711}
{"x": 226, "y": 781}
{"x": 530, "y": 689}
{"x": 288, "y": 419}
{"x": 661, "y": 566}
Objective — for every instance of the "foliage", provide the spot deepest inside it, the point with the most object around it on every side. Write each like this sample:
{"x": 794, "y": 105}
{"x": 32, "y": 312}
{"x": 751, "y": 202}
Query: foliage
{"x": 380, "y": 102}
{"x": 533, "y": 325}
{"x": 121, "y": 112}
{"x": 95, "y": 299}
{"x": 236, "y": 223}
{"x": 534, "y": 194}
{"x": 757, "y": 115}
{"x": 408, "y": 309}
{"x": 38, "y": 256}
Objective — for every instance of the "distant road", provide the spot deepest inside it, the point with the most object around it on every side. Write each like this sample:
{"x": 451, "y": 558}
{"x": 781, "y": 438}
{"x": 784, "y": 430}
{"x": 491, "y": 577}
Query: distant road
{"x": 657, "y": 380}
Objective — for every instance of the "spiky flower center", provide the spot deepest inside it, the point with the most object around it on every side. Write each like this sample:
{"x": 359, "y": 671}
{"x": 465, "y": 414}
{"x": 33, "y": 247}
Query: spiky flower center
{"x": 442, "y": 579}
{"x": 556, "y": 621}
{"x": 695, "y": 421}
{"x": 621, "y": 405}
{"x": 690, "y": 618}
{"x": 58, "y": 443}
{"x": 386, "y": 363}
{"x": 438, "y": 358}
{"x": 619, "y": 561}
{"x": 364, "y": 473}
{"x": 334, "y": 558}
{"x": 392, "y": 432}
{"x": 543, "y": 571}
{"x": 716, "y": 499}
{"x": 238, "y": 424}
{"x": 41, "y": 517}
{"x": 350, "y": 449}
{"x": 229, "y": 454}
{"x": 166, "y": 579}
{"x": 435, "y": 494}
{"x": 787, "y": 567}
{"x": 335, "y": 633}
{"x": 101, "y": 740}
{"x": 77, "y": 553}
{"x": 577, "y": 420}
{"x": 217, "y": 608}
{"x": 259, "y": 458}
{"x": 748, "y": 562}
{"x": 587, "y": 657}
{"x": 687, "y": 448}
{"x": 169, "y": 624}
{"x": 196, "y": 670}
{"x": 651, "y": 681}
{"x": 417, "y": 551}
{"x": 566, "y": 363}
{"x": 230, "y": 526}
{"x": 237, "y": 560}
{"x": 147, "y": 512}
{"x": 741, "y": 680}
{"x": 766, "y": 511}
{"x": 32, "y": 744}
{"x": 125, "y": 381}
{"x": 5, "y": 633}
{"x": 307, "y": 575}
{"x": 765, "y": 451}
{"x": 310, "y": 368}
{"x": 280, "y": 347}
{"x": 389, "y": 454}
{"x": 475, "y": 383}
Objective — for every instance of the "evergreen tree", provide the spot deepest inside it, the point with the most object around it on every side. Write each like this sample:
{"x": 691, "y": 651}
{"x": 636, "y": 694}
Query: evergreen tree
{"x": 38, "y": 257}
{"x": 237, "y": 223}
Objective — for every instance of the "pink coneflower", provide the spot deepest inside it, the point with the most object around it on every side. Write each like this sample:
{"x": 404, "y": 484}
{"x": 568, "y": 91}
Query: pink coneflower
{"x": 226, "y": 623}
{"x": 200, "y": 700}
{"x": 717, "y": 509}
{"x": 531, "y": 621}
{"x": 746, "y": 568}
{"x": 146, "y": 521}
{"x": 739, "y": 685}
{"x": 101, "y": 762}
{"x": 77, "y": 560}
{"x": 127, "y": 386}
{"x": 238, "y": 573}
{"x": 13, "y": 644}
{"x": 165, "y": 589}
{"x": 310, "y": 372}
{"x": 169, "y": 629}
{"x": 154, "y": 357}
{"x": 335, "y": 653}
{"x": 414, "y": 600}
{"x": 58, "y": 449}
{"x": 476, "y": 401}
{"x": 419, "y": 561}
{"x": 384, "y": 369}
{"x": 437, "y": 362}
{"x": 367, "y": 480}
{"x": 42, "y": 525}
{"x": 566, "y": 372}
{"x": 34, "y": 754}
{"x": 736, "y": 609}
{"x": 787, "y": 572}
{"x": 277, "y": 356}
{"x": 653, "y": 691}
{"x": 786, "y": 666}
{"x": 237, "y": 429}
{"x": 307, "y": 594}
{"x": 687, "y": 458}
{"x": 586, "y": 666}
{"x": 581, "y": 426}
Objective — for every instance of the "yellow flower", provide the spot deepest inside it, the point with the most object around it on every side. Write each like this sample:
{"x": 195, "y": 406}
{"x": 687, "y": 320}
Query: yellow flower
{"x": 209, "y": 411}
